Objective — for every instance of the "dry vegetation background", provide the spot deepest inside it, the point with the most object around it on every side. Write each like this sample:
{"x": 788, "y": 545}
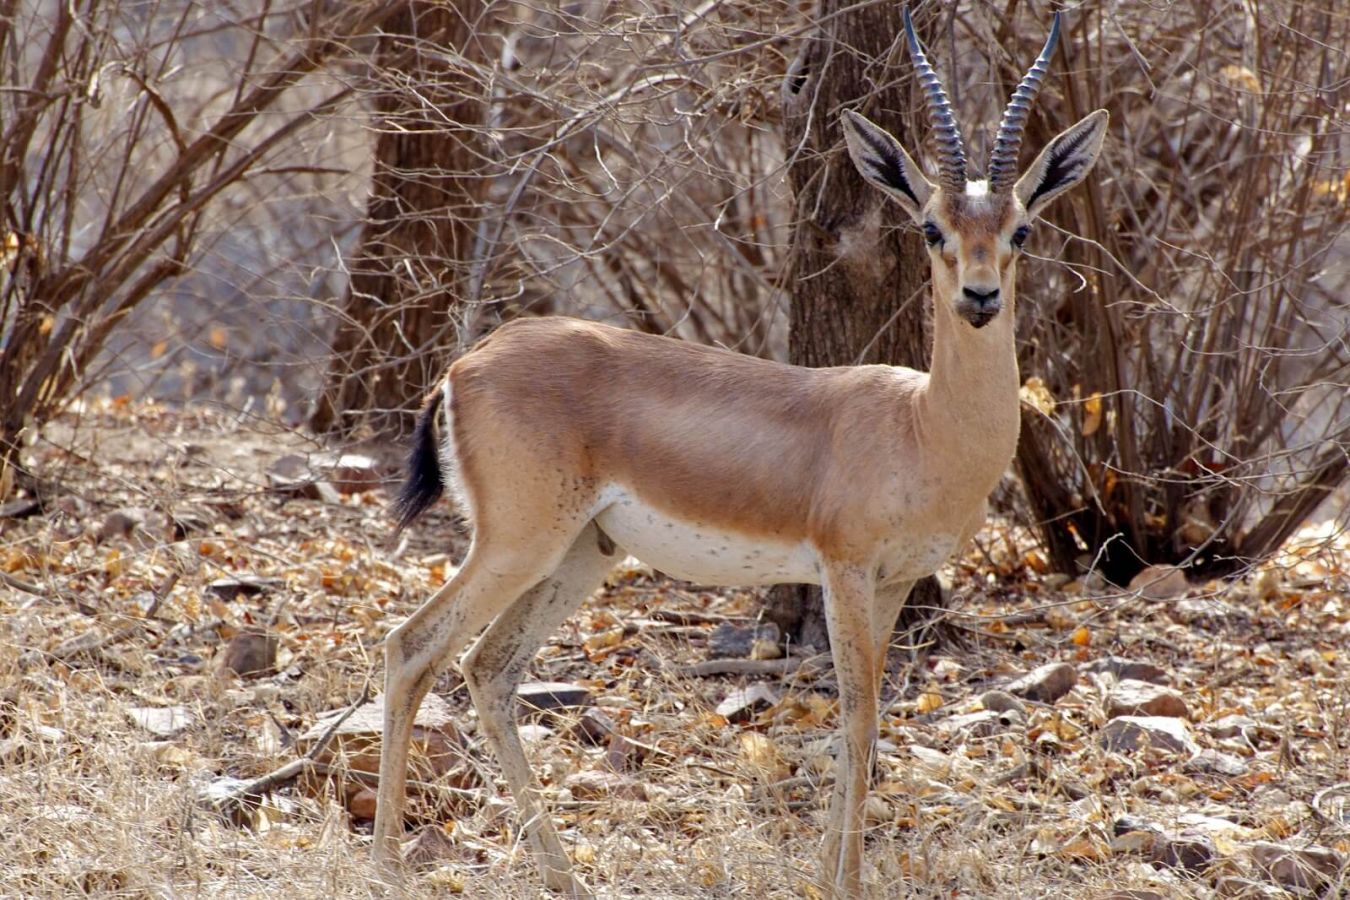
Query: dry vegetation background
{"x": 185, "y": 199}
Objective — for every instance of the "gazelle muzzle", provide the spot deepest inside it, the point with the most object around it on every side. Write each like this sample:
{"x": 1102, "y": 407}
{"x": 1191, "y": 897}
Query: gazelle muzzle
{"x": 979, "y": 307}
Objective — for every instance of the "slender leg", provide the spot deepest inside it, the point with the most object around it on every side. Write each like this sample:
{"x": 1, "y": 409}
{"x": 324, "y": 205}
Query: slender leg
{"x": 493, "y": 669}
{"x": 886, "y": 608}
{"x": 890, "y": 600}
{"x": 848, "y": 615}
{"x": 488, "y": 582}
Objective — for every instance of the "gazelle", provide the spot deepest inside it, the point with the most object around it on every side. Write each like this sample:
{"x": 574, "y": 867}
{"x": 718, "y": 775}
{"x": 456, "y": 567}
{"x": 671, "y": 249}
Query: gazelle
{"x": 564, "y": 440}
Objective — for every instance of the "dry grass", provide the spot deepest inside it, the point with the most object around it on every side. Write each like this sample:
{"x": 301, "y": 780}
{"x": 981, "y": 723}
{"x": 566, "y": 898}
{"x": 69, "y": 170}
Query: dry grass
{"x": 97, "y": 806}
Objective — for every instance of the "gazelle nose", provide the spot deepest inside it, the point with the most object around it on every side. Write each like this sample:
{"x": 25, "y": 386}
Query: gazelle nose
{"x": 979, "y": 296}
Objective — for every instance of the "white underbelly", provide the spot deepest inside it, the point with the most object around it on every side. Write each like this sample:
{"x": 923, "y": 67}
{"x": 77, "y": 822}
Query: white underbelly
{"x": 700, "y": 552}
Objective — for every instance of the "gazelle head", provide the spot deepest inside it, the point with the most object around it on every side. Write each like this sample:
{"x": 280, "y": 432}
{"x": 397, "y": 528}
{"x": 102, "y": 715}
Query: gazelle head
{"x": 975, "y": 229}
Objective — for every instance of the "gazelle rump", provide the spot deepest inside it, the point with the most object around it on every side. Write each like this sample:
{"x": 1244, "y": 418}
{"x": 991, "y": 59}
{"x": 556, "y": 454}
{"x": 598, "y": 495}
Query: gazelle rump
{"x": 565, "y": 441}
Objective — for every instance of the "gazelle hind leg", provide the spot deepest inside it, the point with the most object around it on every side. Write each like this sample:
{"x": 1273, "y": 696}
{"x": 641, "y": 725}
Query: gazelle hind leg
{"x": 488, "y": 583}
{"x": 493, "y": 669}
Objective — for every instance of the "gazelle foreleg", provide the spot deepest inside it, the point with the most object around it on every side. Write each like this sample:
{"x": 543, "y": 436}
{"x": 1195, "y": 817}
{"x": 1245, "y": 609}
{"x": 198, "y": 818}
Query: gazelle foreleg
{"x": 493, "y": 669}
{"x": 849, "y": 598}
{"x": 890, "y": 599}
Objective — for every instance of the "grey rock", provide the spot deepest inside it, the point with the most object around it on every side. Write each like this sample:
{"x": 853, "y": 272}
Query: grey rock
{"x": 1127, "y": 668}
{"x": 1045, "y": 684}
{"x": 1128, "y": 733}
{"x": 743, "y": 704}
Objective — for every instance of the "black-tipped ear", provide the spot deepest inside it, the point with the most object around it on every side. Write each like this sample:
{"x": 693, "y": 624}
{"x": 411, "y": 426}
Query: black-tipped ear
{"x": 1063, "y": 163}
{"x": 885, "y": 164}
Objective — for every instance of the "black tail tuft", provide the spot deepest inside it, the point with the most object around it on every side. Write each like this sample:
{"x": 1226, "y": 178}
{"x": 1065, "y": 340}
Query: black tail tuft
{"x": 425, "y": 484}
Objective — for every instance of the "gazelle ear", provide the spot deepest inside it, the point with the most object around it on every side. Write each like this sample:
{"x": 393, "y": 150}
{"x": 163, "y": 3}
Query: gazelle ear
{"x": 1063, "y": 163}
{"x": 885, "y": 164}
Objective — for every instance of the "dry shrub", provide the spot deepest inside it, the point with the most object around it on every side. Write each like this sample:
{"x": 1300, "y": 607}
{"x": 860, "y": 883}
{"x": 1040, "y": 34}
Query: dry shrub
{"x": 635, "y": 167}
{"x": 630, "y": 163}
{"x": 614, "y": 161}
{"x": 1194, "y": 333}
{"x": 1185, "y": 313}
{"x": 123, "y": 158}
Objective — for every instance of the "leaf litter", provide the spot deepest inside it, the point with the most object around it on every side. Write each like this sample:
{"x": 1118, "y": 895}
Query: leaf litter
{"x": 178, "y": 624}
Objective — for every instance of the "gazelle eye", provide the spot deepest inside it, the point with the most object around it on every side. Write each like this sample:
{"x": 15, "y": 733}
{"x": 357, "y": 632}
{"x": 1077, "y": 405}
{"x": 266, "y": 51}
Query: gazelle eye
{"x": 1019, "y": 237}
{"x": 931, "y": 234}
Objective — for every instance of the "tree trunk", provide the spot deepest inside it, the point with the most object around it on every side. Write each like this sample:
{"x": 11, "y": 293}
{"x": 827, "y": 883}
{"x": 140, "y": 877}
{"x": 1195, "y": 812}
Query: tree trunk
{"x": 399, "y": 312}
{"x": 857, "y": 281}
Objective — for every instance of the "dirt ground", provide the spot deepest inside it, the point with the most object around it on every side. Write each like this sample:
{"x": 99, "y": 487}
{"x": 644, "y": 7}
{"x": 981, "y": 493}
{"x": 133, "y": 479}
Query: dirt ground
{"x": 164, "y": 540}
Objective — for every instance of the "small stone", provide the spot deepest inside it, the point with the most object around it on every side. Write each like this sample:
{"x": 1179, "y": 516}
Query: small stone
{"x": 69, "y": 505}
{"x": 188, "y": 521}
{"x": 163, "y": 721}
{"x": 1235, "y": 888}
{"x": 1128, "y": 668}
{"x": 731, "y": 641}
{"x": 944, "y": 669}
{"x": 1231, "y": 727}
{"x": 1045, "y": 684}
{"x": 1139, "y": 698}
{"x": 437, "y": 746}
{"x": 1134, "y": 842}
{"x": 1160, "y": 583}
{"x": 361, "y": 804}
{"x": 263, "y": 694}
{"x": 744, "y": 704}
{"x": 122, "y": 523}
{"x": 292, "y": 476}
{"x": 1304, "y": 868}
{"x": 1213, "y": 762}
{"x": 762, "y": 649}
{"x": 223, "y": 793}
{"x": 623, "y": 755}
{"x": 1128, "y": 733}
{"x": 980, "y": 724}
{"x": 1188, "y": 851}
{"x": 354, "y": 473}
{"x": 593, "y": 728}
{"x": 1133, "y": 895}
{"x": 552, "y": 696}
{"x": 1208, "y": 614}
{"x": 191, "y": 452}
{"x": 598, "y": 785}
{"x": 228, "y": 589}
{"x": 533, "y": 732}
{"x": 432, "y": 847}
{"x": 20, "y": 509}
{"x": 1126, "y": 824}
{"x": 1002, "y": 701}
{"x": 250, "y": 653}
{"x": 877, "y": 811}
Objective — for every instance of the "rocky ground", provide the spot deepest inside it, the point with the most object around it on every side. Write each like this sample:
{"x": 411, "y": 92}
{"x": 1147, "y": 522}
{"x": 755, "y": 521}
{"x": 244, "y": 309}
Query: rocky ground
{"x": 195, "y": 606}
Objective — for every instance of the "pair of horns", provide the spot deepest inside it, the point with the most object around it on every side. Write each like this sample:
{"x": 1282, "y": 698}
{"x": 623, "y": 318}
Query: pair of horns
{"x": 951, "y": 152}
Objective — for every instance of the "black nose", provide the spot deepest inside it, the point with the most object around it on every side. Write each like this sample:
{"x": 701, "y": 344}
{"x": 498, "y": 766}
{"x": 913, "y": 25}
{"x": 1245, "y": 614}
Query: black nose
{"x": 980, "y": 297}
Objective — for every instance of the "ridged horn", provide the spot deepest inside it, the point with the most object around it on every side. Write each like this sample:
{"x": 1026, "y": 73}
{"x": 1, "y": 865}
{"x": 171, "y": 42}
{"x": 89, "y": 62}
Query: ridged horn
{"x": 951, "y": 152}
{"x": 1003, "y": 159}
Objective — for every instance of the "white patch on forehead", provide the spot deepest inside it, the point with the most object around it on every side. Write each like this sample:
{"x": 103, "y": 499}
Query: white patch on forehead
{"x": 977, "y": 188}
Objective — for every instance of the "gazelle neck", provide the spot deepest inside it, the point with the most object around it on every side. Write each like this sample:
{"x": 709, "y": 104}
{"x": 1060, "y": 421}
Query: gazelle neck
{"x": 972, "y": 400}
